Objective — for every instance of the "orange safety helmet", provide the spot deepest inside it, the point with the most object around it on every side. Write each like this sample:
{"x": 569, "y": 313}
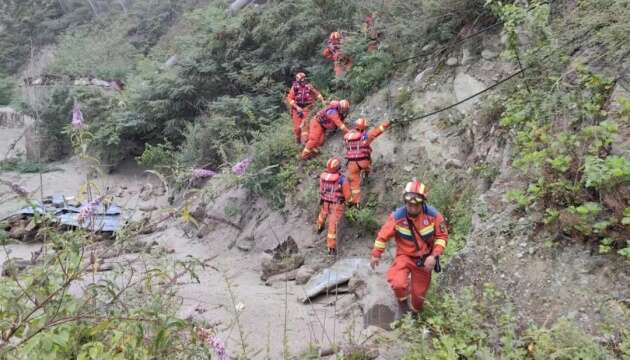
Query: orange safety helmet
{"x": 300, "y": 76}
{"x": 333, "y": 165}
{"x": 415, "y": 192}
{"x": 344, "y": 106}
{"x": 361, "y": 124}
{"x": 335, "y": 36}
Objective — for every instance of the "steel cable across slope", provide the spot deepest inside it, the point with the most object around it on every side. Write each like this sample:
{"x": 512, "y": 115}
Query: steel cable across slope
{"x": 496, "y": 84}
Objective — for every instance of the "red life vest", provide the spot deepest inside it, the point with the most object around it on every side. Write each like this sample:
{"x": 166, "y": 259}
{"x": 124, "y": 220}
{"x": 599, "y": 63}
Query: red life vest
{"x": 302, "y": 93}
{"x": 333, "y": 46}
{"x": 330, "y": 187}
{"x": 357, "y": 147}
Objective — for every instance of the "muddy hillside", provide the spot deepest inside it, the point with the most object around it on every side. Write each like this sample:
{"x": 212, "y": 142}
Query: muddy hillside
{"x": 314, "y": 180}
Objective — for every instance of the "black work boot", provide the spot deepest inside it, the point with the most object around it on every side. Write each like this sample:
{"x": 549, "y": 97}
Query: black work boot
{"x": 332, "y": 252}
{"x": 403, "y": 309}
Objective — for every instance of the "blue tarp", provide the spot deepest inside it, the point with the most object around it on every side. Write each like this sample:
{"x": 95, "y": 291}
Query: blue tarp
{"x": 104, "y": 220}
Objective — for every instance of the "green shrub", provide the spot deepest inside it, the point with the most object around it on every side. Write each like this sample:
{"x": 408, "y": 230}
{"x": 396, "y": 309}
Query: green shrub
{"x": 466, "y": 325}
{"x": 53, "y": 116}
{"x": 564, "y": 340}
{"x": 6, "y": 89}
{"x": 160, "y": 157}
{"x": 562, "y": 139}
{"x": 275, "y": 165}
{"x": 22, "y": 166}
{"x": 103, "y": 52}
{"x": 364, "y": 217}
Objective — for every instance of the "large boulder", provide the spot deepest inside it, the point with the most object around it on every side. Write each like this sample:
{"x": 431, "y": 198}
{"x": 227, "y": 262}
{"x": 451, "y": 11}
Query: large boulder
{"x": 376, "y": 299}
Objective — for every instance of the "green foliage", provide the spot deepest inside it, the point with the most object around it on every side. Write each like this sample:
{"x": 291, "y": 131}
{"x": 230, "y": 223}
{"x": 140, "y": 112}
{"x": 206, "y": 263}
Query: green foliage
{"x": 606, "y": 173}
{"x": 410, "y": 25}
{"x": 104, "y": 53}
{"x": 54, "y": 114}
{"x": 160, "y": 157}
{"x": 22, "y": 166}
{"x": 6, "y": 89}
{"x": 111, "y": 320}
{"x": 564, "y": 340}
{"x": 469, "y": 325}
{"x": 563, "y": 138}
{"x": 25, "y": 23}
{"x": 275, "y": 166}
{"x": 364, "y": 217}
{"x": 368, "y": 73}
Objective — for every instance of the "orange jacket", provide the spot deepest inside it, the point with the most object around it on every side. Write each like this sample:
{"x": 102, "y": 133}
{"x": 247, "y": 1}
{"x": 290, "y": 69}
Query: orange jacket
{"x": 430, "y": 225}
{"x": 331, "y": 118}
{"x": 295, "y": 97}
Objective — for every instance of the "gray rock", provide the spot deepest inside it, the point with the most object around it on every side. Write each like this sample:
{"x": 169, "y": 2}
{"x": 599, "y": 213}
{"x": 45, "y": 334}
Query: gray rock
{"x": 148, "y": 208}
{"x": 303, "y": 275}
{"x": 488, "y": 54}
{"x": 464, "y": 86}
{"x": 273, "y": 266}
{"x": 453, "y": 164}
{"x": 451, "y": 61}
{"x": 329, "y": 278}
{"x": 245, "y": 244}
{"x": 172, "y": 61}
{"x": 81, "y": 82}
{"x": 428, "y": 47}
{"x": 467, "y": 56}
{"x": 422, "y": 76}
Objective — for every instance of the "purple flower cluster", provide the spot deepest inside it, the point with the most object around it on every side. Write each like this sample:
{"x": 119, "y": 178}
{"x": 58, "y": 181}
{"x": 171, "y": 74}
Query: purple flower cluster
{"x": 218, "y": 347}
{"x": 241, "y": 167}
{"x": 77, "y": 117}
{"x": 202, "y": 173}
{"x": 88, "y": 210}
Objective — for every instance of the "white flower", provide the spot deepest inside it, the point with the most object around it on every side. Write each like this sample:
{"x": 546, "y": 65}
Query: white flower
{"x": 239, "y": 307}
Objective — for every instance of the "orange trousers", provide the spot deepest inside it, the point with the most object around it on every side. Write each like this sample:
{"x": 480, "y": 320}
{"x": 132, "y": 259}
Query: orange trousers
{"x": 333, "y": 212}
{"x": 316, "y": 135}
{"x": 300, "y": 123}
{"x": 403, "y": 268}
{"x": 342, "y": 66}
{"x": 354, "y": 177}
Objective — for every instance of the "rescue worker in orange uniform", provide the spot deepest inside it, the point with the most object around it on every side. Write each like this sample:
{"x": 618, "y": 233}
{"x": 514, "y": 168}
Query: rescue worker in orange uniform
{"x": 329, "y": 118}
{"x": 359, "y": 153}
{"x": 334, "y": 190}
{"x": 301, "y": 98}
{"x": 333, "y": 52}
{"x": 421, "y": 236}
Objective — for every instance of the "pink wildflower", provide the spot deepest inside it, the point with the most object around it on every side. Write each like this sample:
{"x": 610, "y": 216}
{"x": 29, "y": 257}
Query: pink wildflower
{"x": 241, "y": 167}
{"x": 77, "y": 117}
{"x": 218, "y": 347}
{"x": 214, "y": 342}
{"x": 88, "y": 210}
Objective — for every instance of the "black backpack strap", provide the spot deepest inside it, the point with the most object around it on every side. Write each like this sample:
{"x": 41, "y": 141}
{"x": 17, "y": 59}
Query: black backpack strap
{"x": 438, "y": 267}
